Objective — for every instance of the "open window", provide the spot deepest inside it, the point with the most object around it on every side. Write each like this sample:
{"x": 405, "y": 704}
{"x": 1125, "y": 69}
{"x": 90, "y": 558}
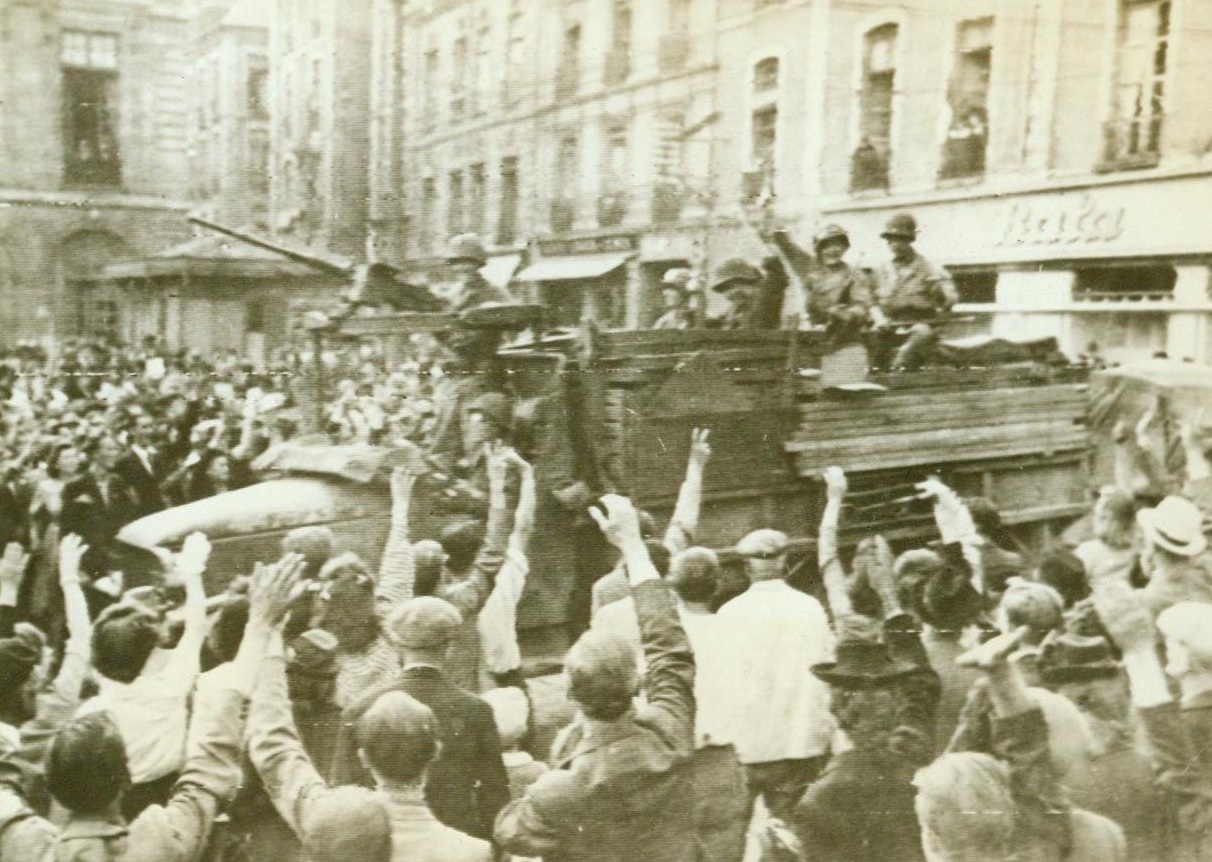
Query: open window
{"x": 89, "y": 64}
{"x": 872, "y": 156}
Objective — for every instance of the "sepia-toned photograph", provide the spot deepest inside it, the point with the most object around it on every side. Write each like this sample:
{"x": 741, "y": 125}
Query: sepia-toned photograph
{"x": 605, "y": 431}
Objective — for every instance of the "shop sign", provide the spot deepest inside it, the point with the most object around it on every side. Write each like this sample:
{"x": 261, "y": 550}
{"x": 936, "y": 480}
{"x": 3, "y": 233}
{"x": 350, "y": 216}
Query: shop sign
{"x": 1080, "y": 221}
{"x": 589, "y": 245}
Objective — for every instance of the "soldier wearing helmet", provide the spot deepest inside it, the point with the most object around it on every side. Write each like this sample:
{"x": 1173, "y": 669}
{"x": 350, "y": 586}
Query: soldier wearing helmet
{"x": 912, "y": 290}
{"x": 837, "y": 295}
{"x": 466, "y": 257}
{"x": 755, "y": 297}
{"x": 675, "y": 292}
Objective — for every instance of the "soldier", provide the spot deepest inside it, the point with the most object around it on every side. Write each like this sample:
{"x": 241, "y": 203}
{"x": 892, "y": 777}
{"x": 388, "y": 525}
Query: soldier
{"x": 675, "y": 290}
{"x": 838, "y": 296}
{"x": 911, "y": 290}
{"x": 466, "y": 258}
{"x": 755, "y": 298}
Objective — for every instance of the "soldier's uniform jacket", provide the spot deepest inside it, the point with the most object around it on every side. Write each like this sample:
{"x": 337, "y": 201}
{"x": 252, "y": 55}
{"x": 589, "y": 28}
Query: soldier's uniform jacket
{"x": 843, "y": 290}
{"x": 915, "y": 289}
{"x": 477, "y": 291}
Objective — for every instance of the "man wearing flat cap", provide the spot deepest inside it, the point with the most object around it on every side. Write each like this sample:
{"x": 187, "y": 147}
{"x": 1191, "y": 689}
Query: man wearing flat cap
{"x": 466, "y": 784}
{"x": 783, "y": 733}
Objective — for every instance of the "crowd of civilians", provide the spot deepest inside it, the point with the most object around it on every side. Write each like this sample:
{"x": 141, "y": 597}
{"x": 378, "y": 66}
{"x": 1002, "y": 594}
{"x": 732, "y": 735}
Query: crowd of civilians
{"x": 963, "y": 700}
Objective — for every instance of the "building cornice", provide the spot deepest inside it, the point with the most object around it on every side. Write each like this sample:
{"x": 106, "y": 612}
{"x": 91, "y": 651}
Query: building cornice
{"x": 87, "y": 200}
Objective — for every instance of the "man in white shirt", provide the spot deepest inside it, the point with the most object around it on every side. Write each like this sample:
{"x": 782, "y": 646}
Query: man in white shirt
{"x": 784, "y": 727}
{"x": 145, "y": 689}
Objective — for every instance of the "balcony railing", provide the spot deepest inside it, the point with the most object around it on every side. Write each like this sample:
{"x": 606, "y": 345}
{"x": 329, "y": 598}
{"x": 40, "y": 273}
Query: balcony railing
{"x": 1131, "y": 143}
{"x": 563, "y": 215}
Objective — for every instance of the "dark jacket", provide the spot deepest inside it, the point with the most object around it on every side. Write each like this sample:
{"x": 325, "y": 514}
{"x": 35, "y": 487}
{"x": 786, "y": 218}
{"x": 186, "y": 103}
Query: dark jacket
{"x": 95, "y": 519}
{"x": 620, "y": 792}
{"x": 467, "y": 785}
{"x": 1178, "y": 743}
{"x": 149, "y": 498}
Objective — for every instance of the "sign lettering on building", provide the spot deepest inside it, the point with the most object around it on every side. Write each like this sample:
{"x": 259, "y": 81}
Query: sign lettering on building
{"x": 1079, "y": 221}
{"x": 589, "y": 245}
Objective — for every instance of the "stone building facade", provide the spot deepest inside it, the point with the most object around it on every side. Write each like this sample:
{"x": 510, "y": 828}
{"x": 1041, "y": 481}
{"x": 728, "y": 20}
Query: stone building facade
{"x": 93, "y": 165}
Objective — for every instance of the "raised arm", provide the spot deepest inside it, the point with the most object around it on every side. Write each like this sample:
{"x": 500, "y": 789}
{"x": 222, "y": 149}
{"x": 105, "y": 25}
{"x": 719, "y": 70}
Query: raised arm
{"x": 248, "y": 423}
{"x": 470, "y": 594}
{"x": 830, "y": 563}
{"x": 396, "y": 570}
{"x": 12, "y": 572}
{"x": 180, "y": 829}
{"x": 669, "y": 682}
{"x": 955, "y": 525}
{"x": 188, "y": 567}
{"x": 685, "y": 521}
{"x": 497, "y": 622}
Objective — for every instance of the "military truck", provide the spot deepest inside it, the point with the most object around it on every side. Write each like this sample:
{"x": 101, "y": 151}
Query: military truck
{"x": 614, "y": 410}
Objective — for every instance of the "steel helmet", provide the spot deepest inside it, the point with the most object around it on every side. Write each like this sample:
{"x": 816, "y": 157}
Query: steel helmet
{"x": 678, "y": 277}
{"x": 831, "y": 233}
{"x": 735, "y": 269}
{"x": 900, "y": 226}
{"x": 467, "y": 247}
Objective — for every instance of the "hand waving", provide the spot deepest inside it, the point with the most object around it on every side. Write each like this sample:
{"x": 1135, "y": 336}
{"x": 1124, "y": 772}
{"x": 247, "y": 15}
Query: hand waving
{"x": 621, "y": 522}
{"x": 700, "y": 449}
{"x": 71, "y": 551}
{"x": 274, "y": 588}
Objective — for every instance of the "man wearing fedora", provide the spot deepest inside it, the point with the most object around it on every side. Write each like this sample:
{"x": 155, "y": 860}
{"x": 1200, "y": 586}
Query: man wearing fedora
{"x": 784, "y": 728}
{"x": 911, "y": 290}
{"x": 1175, "y": 554}
{"x": 861, "y": 807}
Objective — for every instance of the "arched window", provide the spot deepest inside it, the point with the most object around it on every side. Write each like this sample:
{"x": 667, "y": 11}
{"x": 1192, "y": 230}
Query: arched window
{"x": 869, "y": 168}
{"x": 763, "y": 126}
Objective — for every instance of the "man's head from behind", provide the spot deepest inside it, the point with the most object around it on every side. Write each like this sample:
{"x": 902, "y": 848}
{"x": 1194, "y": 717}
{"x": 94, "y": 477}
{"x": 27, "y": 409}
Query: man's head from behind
{"x": 765, "y": 554}
{"x": 602, "y": 674}
{"x": 461, "y": 541}
{"x": 428, "y": 557}
{"x": 314, "y": 543}
{"x": 124, "y": 636}
{"x": 1187, "y": 628}
{"x": 694, "y": 575}
{"x": 347, "y": 824}
{"x": 86, "y": 769}
{"x": 397, "y": 738}
{"x": 422, "y": 628}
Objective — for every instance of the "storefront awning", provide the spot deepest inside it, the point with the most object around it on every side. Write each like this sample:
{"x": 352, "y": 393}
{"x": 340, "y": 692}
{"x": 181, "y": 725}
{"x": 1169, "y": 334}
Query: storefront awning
{"x": 500, "y": 269}
{"x": 573, "y": 267}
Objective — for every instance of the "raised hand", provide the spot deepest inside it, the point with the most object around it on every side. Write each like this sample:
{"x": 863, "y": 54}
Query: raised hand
{"x": 191, "y": 561}
{"x": 836, "y": 483}
{"x": 700, "y": 449}
{"x": 1146, "y": 421}
{"x": 621, "y": 522}
{"x": 496, "y": 462}
{"x": 274, "y": 589}
{"x": 992, "y": 654}
{"x": 71, "y": 551}
{"x": 403, "y": 479}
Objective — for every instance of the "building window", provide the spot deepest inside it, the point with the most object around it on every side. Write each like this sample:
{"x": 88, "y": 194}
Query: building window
{"x": 1133, "y": 134}
{"x": 568, "y": 83}
{"x": 458, "y": 78}
{"x": 763, "y": 127}
{"x": 258, "y": 161}
{"x": 477, "y": 180}
{"x": 968, "y": 98}
{"x": 515, "y": 55}
{"x": 254, "y": 316}
{"x": 90, "y": 100}
{"x": 674, "y": 48}
{"x": 454, "y": 204}
{"x": 618, "y": 60}
{"x": 668, "y": 192}
{"x": 567, "y": 175}
{"x": 869, "y": 165}
{"x": 429, "y": 85}
{"x": 1130, "y": 283}
{"x": 507, "y": 223}
{"x": 258, "y": 93}
{"x": 481, "y": 72}
{"x": 612, "y": 204}
{"x": 429, "y": 207}
{"x": 978, "y": 286}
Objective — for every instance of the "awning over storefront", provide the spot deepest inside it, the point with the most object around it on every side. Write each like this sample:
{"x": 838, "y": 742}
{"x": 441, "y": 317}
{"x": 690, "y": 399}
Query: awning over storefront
{"x": 573, "y": 267}
{"x": 500, "y": 269}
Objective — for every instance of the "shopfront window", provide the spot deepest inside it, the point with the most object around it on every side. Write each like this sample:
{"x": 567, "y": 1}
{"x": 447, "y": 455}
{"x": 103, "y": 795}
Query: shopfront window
{"x": 1127, "y": 283}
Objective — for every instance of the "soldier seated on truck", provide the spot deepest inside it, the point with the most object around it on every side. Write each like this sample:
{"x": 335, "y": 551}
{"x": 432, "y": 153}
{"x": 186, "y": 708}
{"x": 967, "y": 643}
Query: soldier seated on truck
{"x": 755, "y": 298}
{"x": 911, "y": 291}
{"x": 466, "y": 258}
{"x": 837, "y": 296}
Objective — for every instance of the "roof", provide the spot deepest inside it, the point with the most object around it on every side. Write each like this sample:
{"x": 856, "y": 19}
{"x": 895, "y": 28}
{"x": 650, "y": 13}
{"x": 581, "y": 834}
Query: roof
{"x": 573, "y": 267}
{"x": 208, "y": 255}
